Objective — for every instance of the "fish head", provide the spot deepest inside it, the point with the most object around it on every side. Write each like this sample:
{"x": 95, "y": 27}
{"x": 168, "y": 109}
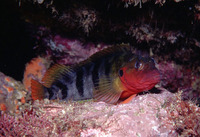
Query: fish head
{"x": 139, "y": 74}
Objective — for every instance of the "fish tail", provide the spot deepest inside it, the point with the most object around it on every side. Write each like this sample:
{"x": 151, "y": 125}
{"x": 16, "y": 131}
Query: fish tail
{"x": 37, "y": 90}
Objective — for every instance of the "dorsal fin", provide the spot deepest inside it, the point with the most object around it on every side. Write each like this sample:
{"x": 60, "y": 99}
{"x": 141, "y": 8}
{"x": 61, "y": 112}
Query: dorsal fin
{"x": 54, "y": 73}
{"x": 123, "y": 48}
{"x": 117, "y": 49}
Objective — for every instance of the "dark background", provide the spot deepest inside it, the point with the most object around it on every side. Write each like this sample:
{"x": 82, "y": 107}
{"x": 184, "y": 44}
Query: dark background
{"x": 16, "y": 44}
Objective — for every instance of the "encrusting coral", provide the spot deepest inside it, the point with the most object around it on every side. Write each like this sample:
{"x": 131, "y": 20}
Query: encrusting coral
{"x": 13, "y": 95}
{"x": 147, "y": 115}
{"x": 35, "y": 69}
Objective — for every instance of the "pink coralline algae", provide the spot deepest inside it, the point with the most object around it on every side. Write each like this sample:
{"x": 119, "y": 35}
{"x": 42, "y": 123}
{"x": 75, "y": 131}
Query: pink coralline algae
{"x": 171, "y": 74}
{"x": 145, "y": 115}
{"x": 177, "y": 77}
{"x": 184, "y": 116}
{"x": 67, "y": 51}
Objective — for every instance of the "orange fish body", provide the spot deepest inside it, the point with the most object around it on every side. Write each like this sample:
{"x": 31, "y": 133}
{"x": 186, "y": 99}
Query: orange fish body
{"x": 110, "y": 75}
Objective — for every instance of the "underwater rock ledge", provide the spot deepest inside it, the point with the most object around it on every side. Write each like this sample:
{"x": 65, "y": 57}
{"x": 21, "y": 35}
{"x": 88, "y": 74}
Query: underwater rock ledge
{"x": 163, "y": 114}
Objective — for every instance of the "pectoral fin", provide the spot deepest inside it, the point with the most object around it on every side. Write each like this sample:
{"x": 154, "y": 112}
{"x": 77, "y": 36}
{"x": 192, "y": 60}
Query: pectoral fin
{"x": 106, "y": 91}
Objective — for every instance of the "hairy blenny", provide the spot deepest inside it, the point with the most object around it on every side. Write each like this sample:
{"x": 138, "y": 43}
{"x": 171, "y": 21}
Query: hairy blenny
{"x": 110, "y": 75}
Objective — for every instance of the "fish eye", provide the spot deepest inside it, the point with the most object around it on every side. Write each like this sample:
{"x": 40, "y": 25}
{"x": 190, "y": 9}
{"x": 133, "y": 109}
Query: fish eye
{"x": 139, "y": 65}
{"x": 121, "y": 72}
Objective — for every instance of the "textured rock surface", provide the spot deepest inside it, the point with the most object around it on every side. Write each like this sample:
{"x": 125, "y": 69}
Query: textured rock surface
{"x": 12, "y": 94}
{"x": 163, "y": 114}
{"x": 144, "y": 116}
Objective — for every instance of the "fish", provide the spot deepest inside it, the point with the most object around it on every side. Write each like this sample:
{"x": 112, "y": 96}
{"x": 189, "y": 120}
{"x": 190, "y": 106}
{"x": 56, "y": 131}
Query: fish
{"x": 114, "y": 75}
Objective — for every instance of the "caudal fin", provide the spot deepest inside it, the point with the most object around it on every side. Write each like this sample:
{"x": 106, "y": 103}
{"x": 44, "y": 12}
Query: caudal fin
{"x": 37, "y": 90}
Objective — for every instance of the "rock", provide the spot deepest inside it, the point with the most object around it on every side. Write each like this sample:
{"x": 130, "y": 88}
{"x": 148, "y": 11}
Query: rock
{"x": 13, "y": 95}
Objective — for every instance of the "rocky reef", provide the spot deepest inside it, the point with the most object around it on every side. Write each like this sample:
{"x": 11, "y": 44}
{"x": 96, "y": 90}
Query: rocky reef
{"x": 163, "y": 114}
{"x": 44, "y": 32}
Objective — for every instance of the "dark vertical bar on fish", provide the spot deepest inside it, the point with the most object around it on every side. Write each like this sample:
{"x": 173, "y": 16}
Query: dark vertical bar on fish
{"x": 79, "y": 81}
{"x": 88, "y": 84}
{"x": 95, "y": 73}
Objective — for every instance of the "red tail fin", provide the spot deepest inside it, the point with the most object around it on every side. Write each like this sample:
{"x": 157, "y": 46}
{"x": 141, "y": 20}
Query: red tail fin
{"x": 37, "y": 90}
